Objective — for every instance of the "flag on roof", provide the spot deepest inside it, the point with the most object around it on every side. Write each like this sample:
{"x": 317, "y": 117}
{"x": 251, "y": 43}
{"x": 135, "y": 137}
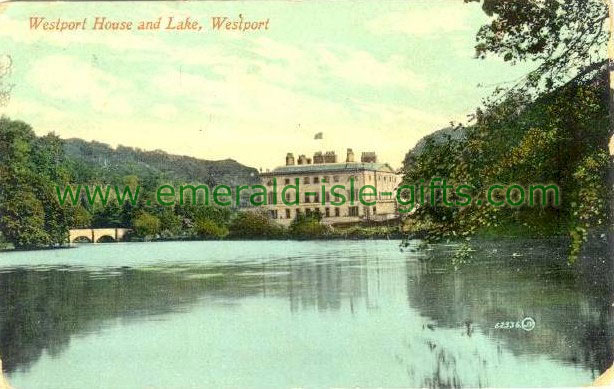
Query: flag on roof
{"x": 319, "y": 135}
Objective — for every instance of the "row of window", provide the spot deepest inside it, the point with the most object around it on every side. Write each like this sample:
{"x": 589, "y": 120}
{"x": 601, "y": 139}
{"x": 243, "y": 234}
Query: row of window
{"x": 308, "y": 180}
{"x": 326, "y": 179}
{"x": 326, "y": 212}
{"x": 315, "y": 197}
{"x": 387, "y": 178}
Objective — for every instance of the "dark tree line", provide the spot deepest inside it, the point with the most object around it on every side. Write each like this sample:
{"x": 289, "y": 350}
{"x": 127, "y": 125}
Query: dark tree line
{"x": 31, "y": 167}
{"x": 553, "y": 125}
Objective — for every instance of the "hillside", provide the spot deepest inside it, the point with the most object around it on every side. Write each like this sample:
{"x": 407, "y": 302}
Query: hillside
{"x": 95, "y": 161}
{"x": 439, "y": 137}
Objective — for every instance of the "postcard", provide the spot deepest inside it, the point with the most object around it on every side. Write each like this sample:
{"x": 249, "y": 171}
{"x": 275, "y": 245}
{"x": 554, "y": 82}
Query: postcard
{"x": 306, "y": 194}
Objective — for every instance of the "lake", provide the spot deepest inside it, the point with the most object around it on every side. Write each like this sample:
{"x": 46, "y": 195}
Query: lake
{"x": 302, "y": 314}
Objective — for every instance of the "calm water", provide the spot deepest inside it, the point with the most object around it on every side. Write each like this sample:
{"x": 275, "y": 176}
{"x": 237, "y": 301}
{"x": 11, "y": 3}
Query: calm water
{"x": 299, "y": 314}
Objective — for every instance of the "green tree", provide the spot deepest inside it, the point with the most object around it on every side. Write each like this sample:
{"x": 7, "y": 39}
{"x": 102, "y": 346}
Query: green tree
{"x": 22, "y": 219}
{"x": 51, "y": 169}
{"x": 30, "y": 167}
{"x": 189, "y": 213}
{"x": 254, "y": 224}
{"x": 81, "y": 218}
{"x": 146, "y": 225}
{"x": 308, "y": 227}
{"x": 568, "y": 40}
{"x": 109, "y": 215}
{"x": 170, "y": 222}
{"x": 558, "y": 138}
{"x": 209, "y": 229}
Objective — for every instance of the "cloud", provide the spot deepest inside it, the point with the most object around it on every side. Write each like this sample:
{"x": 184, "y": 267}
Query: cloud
{"x": 164, "y": 111}
{"x": 270, "y": 116}
{"x": 228, "y": 95}
{"x": 20, "y": 109}
{"x": 434, "y": 19}
{"x": 395, "y": 116}
{"x": 244, "y": 97}
{"x": 361, "y": 67}
{"x": 67, "y": 78}
{"x": 285, "y": 64}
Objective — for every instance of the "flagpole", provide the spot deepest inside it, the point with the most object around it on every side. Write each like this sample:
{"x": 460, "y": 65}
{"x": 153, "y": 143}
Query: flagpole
{"x": 319, "y": 138}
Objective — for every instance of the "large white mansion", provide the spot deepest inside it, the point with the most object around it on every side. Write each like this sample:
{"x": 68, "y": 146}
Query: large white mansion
{"x": 324, "y": 170}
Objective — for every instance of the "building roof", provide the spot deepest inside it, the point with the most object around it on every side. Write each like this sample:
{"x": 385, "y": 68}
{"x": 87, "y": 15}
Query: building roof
{"x": 330, "y": 167}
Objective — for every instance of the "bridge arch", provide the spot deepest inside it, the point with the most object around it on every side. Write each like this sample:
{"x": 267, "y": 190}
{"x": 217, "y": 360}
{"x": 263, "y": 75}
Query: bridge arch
{"x": 81, "y": 239}
{"x": 105, "y": 239}
{"x": 96, "y": 235}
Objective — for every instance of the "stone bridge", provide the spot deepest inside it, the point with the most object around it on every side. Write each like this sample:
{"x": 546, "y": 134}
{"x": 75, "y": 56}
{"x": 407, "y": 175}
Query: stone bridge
{"x": 94, "y": 235}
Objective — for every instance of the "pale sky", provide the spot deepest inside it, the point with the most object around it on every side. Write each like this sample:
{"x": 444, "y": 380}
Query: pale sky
{"x": 373, "y": 76}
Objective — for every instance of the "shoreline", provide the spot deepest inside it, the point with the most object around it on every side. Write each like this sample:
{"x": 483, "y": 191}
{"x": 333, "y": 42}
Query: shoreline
{"x": 396, "y": 235}
{"x": 333, "y": 238}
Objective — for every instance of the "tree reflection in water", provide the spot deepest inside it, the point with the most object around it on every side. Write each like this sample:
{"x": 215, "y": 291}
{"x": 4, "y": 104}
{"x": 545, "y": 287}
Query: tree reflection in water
{"x": 437, "y": 324}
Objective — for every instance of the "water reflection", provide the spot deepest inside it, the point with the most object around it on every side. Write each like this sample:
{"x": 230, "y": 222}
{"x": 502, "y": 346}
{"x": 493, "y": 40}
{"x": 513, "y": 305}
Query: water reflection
{"x": 329, "y": 314}
{"x": 573, "y": 310}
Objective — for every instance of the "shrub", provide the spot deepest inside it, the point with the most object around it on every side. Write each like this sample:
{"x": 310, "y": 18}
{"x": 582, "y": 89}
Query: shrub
{"x": 308, "y": 227}
{"x": 207, "y": 228}
{"x": 146, "y": 225}
{"x": 255, "y": 224}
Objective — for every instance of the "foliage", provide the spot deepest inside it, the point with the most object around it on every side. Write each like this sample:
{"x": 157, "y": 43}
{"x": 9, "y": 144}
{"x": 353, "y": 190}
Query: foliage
{"x": 568, "y": 40}
{"x": 146, "y": 225}
{"x": 366, "y": 232}
{"x": 30, "y": 167}
{"x": 308, "y": 227}
{"x": 81, "y": 218}
{"x": 255, "y": 224}
{"x": 98, "y": 162}
{"x": 566, "y": 37}
{"x": 560, "y": 138}
{"x": 170, "y": 222}
{"x": 189, "y": 213}
{"x": 23, "y": 221}
{"x": 207, "y": 228}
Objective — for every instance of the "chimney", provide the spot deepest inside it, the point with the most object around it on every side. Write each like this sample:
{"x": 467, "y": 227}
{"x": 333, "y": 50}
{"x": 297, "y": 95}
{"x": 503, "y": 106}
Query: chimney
{"x": 330, "y": 157}
{"x": 318, "y": 157}
{"x": 289, "y": 159}
{"x": 302, "y": 160}
{"x": 350, "y": 156}
{"x": 308, "y": 161}
{"x": 368, "y": 157}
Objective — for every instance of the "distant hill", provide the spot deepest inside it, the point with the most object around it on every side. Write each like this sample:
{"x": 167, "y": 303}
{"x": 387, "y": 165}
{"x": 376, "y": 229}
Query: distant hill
{"x": 95, "y": 161}
{"x": 439, "y": 137}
